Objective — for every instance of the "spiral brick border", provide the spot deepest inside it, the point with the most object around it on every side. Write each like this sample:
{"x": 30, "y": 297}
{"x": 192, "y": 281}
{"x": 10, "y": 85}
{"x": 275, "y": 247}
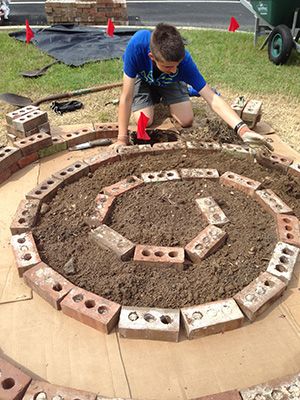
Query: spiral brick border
{"x": 55, "y": 289}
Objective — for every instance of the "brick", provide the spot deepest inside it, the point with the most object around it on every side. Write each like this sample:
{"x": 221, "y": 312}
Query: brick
{"x": 47, "y": 283}
{"x": 236, "y": 149}
{"x": 19, "y": 134}
{"x": 193, "y": 173}
{"x": 294, "y": 169}
{"x": 210, "y": 318}
{"x": 203, "y": 146}
{"x": 25, "y": 252}
{"x": 25, "y": 217}
{"x": 238, "y": 105}
{"x": 240, "y": 182}
{"x": 30, "y": 120}
{"x": 109, "y": 239}
{"x": 255, "y": 298}
{"x": 102, "y": 159}
{"x": 123, "y": 186}
{"x": 160, "y": 176}
{"x": 39, "y": 390}
{"x": 271, "y": 202}
{"x": 59, "y": 144}
{"x": 286, "y": 388}
{"x": 211, "y": 211}
{"x": 149, "y": 323}
{"x": 72, "y": 172}
{"x": 106, "y": 131}
{"x": 91, "y": 310}
{"x": 44, "y": 128}
{"x": 104, "y": 204}
{"x": 6, "y": 173}
{"x": 229, "y": 395}
{"x": 288, "y": 229}
{"x": 207, "y": 242}
{"x": 33, "y": 143}
{"x": 274, "y": 161}
{"x": 79, "y": 136}
{"x": 46, "y": 190}
{"x": 128, "y": 152}
{"x": 283, "y": 261}
{"x": 27, "y": 160}
{"x": 13, "y": 381}
{"x": 158, "y": 255}
{"x": 19, "y": 113}
{"x": 8, "y": 157}
{"x": 168, "y": 146}
{"x": 252, "y": 112}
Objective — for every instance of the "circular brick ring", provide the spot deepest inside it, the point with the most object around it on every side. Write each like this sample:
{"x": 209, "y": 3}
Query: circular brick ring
{"x": 55, "y": 289}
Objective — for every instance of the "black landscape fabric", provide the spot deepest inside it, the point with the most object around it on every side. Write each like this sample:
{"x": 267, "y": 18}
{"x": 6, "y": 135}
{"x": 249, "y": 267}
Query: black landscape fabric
{"x": 76, "y": 45}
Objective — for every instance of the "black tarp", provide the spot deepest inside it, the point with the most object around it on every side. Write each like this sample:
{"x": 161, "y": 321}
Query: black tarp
{"x": 76, "y": 45}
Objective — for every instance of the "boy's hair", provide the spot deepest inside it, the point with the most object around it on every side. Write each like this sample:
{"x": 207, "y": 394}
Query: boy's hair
{"x": 166, "y": 43}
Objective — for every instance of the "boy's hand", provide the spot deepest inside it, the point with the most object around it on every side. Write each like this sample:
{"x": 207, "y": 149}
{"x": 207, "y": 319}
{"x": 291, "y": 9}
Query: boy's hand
{"x": 255, "y": 141}
{"x": 119, "y": 143}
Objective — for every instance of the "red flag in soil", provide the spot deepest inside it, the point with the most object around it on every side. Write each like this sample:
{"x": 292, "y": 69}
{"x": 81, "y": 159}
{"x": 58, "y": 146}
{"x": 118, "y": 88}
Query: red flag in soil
{"x": 29, "y": 32}
{"x": 141, "y": 127}
{"x": 110, "y": 28}
{"x": 234, "y": 25}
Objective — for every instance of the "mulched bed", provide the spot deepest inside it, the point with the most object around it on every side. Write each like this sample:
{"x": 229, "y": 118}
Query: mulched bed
{"x": 164, "y": 214}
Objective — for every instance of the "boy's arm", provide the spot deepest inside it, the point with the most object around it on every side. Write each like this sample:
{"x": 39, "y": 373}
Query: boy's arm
{"x": 220, "y": 107}
{"x": 125, "y": 110}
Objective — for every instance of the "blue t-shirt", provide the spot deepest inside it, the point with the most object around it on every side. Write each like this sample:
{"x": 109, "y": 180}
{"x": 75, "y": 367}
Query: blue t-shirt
{"x": 137, "y": 62}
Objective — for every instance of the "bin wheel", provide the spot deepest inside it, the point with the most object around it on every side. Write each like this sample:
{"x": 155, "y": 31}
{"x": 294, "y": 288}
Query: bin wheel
{"x": 280, "y": 44}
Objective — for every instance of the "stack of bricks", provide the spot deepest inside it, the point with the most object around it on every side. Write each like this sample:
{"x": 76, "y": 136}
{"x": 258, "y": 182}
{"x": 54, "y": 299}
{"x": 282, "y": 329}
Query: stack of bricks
{"x": 250, "y": 111}
{"x": 25, "y": 122}
{"x": 89, "y": 12}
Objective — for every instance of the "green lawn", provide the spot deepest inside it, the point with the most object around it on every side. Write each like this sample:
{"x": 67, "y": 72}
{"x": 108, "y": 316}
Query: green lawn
{"x": 225, "y": 59}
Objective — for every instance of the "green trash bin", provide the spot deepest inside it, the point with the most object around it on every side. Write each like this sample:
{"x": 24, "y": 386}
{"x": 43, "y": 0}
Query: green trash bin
{"x": 277, "y": 12}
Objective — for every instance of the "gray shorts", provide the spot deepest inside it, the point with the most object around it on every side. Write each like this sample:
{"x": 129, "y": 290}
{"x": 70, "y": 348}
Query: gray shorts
{"x": 146, "y": 95}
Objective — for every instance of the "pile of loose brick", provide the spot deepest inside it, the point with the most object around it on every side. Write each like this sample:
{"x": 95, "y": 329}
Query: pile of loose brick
{"x": 135, "y": 322}
{"x": 249, "y": 110}
{"x": 88, "y": 12}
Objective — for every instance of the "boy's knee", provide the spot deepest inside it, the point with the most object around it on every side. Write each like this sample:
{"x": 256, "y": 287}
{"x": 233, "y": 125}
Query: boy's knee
{"x": 187, "y": 123}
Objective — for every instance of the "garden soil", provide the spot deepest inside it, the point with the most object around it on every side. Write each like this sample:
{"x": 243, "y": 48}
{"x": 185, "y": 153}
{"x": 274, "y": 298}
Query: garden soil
{"x": 164, "y": 214}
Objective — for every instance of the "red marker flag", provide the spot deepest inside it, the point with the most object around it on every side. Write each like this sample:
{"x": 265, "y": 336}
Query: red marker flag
{"x": 29, "y": 32}
{"x": 234, "y": 25}
{"x": 141, "y": 127}
{"x": 110, "y": 28}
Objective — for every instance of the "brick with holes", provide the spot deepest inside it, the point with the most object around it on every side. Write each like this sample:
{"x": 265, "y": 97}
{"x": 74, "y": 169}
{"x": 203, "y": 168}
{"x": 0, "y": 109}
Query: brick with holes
{"x": 273, "y": 160}
{"x": 33, "y": 143}
{"x": 25, "y": 217}
{"x": 240, "y": 182}
{"x": 159, "y": 255}
{"x": 101, "y": 159}
{"x": 46, "y": 190}
{"x": 7, "y": 172}
{"x": 294, "y": 169}
{"x": 46, "y": 391}
{"x": 47, "y": 283}
{"x": 128, "y": 152}
{"x": 252, "y": 112}
{"x": 30, "y": 120}
{"x": 207, "y": 242}
{"x": 123, "y": 186}
{"x": 104, "y": 204}
{"x": 199, "y": 173}
{"x": 288, "y": 229}
{"x": 9, "y": 156}
{"x": 236, "y": 149}
{"x": 160, "y": 176}
{"x": 27, "y": 160}
{"x": 21, "y": 135}
{"x": 255, "y": 298}
{"x": 19, "y": 113}
{"x": 283, "y": 261}
{"x": 168, "y": 146}
{"x": 271, "y": 202}
{"x": 109, "y": 239}
{"x": 203, "y": 146}
{"x": 238, "y": 105}
{"x": 79, "y": 136}
{"x": 283, "y": 388}
{"x": 13, "y": 381}
{"x": 149, "y": 323}
{"x": 90, "y": 309}
{"x": 211, "y": 211}
{"x": 72, "y": 172}
{"x": 210, "y": 318}
{"x": 59, "y": 144}
{"x": 109, "y": 131}
{"x": 25, "y": 252}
